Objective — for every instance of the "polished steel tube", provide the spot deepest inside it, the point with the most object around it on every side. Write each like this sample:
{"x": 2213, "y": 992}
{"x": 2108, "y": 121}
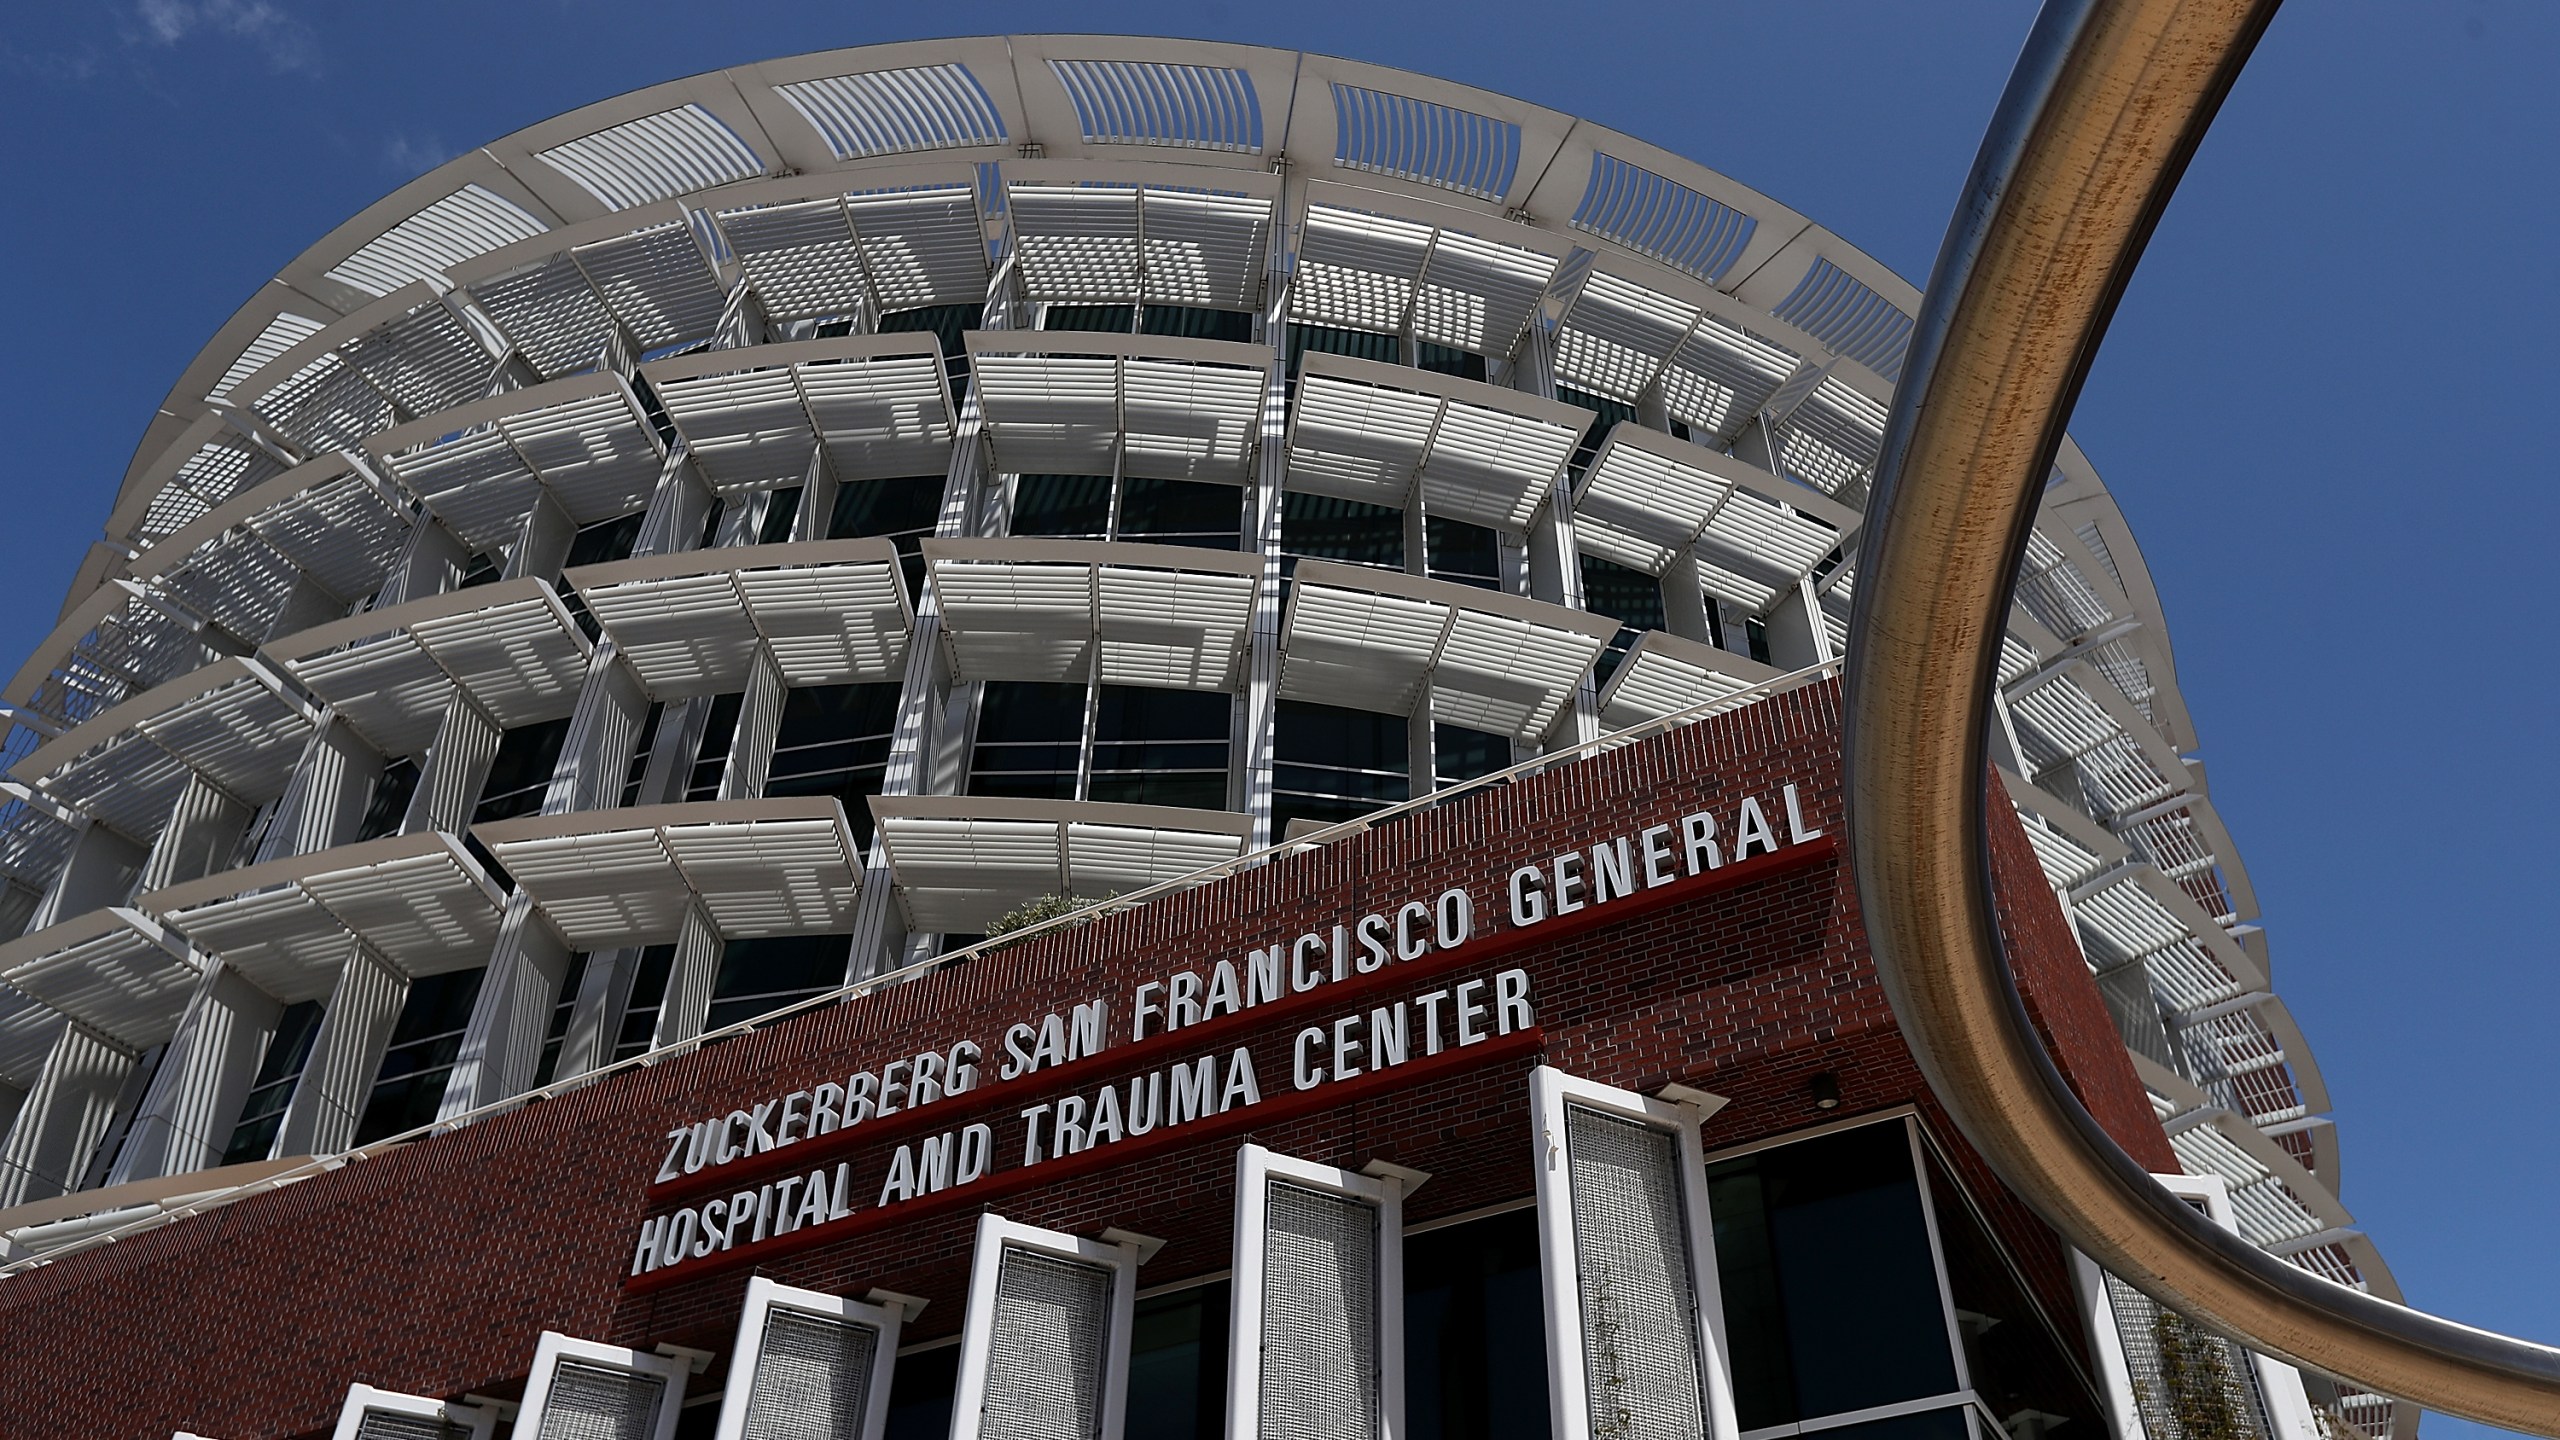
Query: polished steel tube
{"x": 2106, "y": 105}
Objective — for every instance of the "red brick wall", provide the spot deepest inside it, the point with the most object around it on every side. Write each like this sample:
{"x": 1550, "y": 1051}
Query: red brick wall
{"x": 433, "y": 1269}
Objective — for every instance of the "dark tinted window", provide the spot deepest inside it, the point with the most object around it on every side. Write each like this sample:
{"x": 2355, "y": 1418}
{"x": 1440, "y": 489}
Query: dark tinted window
{"x": 1030, "y": 734}
{"x": 1161, "y": 747}
{"x": 1475, "y": 1332}
{"x": 1332, "y": 764}
{"x": 1830, "y": 1292}
{"x": 482, "y": 569}
{"x": 1075, "y": 507}
{"x": 1631, "y": 597}
{"x": 640, "y": 1008}
{"x": 1178, "y": 1365}
{"x": 521, "y": 771}
{"x": 711, "y": 758}
{"x": 2013, "y": 1353}
{"x": 605, "y": 541}
{"x": 767, "y": 974}
{"x": 1320, "y": 527}
{"x": 920, "y": 1395}
{"x": 390, "y": 801}
{"x": 1197, "y": 323}
{"x": 1608, "y": 412}
{"x": 1117, "y": 319}
{"x": 419, "y": 1060}
{"x": 781, "y": 508}
{"x": 905, "y": 508}
{"x": 561, "y": 1011}
{"x": 643, "y": 745}
{"x": 1459, "y": 753}
{"x": 271, "y": 1090}
{"x": 1359, "y": 344}
{"x": 1181, "y": 512}
{"x": 1465, "y": 364}
{"x": 1457, "y": 551}
{"x": 946, "y": 322}
{"x": 834, "y": 740}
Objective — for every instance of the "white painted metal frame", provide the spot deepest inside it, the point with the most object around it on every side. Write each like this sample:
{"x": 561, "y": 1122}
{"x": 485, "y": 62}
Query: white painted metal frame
{"x": 996, "y": 1235}
{"x": 1256, "y": 1168}
{"x": 765, "y": 1296}
{"x": 1551, "y": 1093}
{"x": 555, "y": 1347}
{"x": 478, "y": 1422}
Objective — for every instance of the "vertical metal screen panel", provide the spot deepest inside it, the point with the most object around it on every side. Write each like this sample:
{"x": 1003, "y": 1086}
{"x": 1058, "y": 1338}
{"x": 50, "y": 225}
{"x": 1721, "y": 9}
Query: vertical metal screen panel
{"x": 813, "y": 1378}
{"x": 593, "y": 1402}
{"x": 1639, "y": 1304}
{"x": 1319, "y": 1316}
{"x": 391, "y": 1425}
{"x": 2188, "y": 1383}
{"x": 1047, "y": 1348}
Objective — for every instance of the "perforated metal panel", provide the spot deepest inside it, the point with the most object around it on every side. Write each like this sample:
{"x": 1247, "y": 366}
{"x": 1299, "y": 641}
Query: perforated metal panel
{"x": 592, "y": 1402}
{"x": 813, "y": 1377}
{"x": 1047, "y": 1349}
{"x": 1319, "y": 1316}
{"x": 2188, "y": 1383}
{"x": 1639, "y": 1305}
{"x": 391, "y": 1425}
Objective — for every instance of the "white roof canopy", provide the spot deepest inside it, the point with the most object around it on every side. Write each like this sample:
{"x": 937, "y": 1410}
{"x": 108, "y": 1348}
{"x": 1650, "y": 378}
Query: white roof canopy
{"x": 962, "y": 861}
{"x": 832, "y": 612}
{"x": 1070, "y": 402}
{"x": 114, "y": 970}
{"x": 1123, "y": 613}
{"x": 510, "y": 648}
{"x": 232, "y": 722}
{"x": 418, "y": 901}
{"x": 624, "y": 877}
{"x": 1376, "y": 640}
{"x": 874, "y": 405}
{"x": 1378, "y": 433}
{"x": 1665, "y": 674}
{"x": 480, "y": 466}
{"x": 1372, "y": 261}
{"x": 1121, "y": 243}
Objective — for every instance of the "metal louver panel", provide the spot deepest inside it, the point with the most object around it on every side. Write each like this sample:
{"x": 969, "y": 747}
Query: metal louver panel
{"x": 1639, "y": 1312}
{"x": 2187, "y": 1381}
{"x": 813, "y": 1378}
{"x": 593, "y": 1402}
{"x": 1046, "y": 1353}
{"x": 392, "y": 1425}
{"x": 1319, "y": 1316}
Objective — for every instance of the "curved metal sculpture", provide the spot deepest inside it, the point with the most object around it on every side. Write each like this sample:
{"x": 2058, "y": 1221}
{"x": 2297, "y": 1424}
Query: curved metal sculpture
{"x": 2106, "y": 105}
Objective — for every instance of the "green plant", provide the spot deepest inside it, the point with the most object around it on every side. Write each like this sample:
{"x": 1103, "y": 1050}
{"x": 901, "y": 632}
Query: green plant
{"x": 1041, "y": 908}
{"x": 2204, "y": 1393}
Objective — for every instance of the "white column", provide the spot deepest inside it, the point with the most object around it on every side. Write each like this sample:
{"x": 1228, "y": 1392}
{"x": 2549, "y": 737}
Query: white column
{"x": 345, "y": 1057}
{"x": 325, "y": 802}
{"x": 604, "y": 730}
{"x": 203, "y": 830}
{"x": 697, "y": 965}
{"x": 194, "y": 1099}
{"x": 63, "y": 1117}
{"x": 502, "y": 1044}
{"x": 100, "y": 871}
{"x": 454, "y": 768}
{"x": 759, "y": 721}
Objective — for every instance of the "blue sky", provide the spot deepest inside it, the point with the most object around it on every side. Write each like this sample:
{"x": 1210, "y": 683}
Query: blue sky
{"x": 2319, "y": 407}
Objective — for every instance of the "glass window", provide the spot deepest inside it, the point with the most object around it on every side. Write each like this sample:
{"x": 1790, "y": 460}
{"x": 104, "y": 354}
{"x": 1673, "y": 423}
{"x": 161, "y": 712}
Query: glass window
{"x": 1161, "y": 747}
{"x": 640, "y": 1010}
{"x": 904, "y": 508}
{"x": 425, "y": 1040}
{"x": 642, "y": 747}
{"x": 605, "y": 541}
{"x": 390, "y": 800}
{"x": 1030, "y": 735}
{"x": 1458, "y": 753}
{"x": 1181, "y": 512}
{"x": 1831, "y": 1293}
{"x": 521, "y": 771}
{"x": 1333, "y": 764}
{"x": 271, "y": 1090}
{"x": 781, "y": 510}
{"x": 1320, "y": 527}
{"x": 561, "y": 1011}
{"x": 482, "y": 569}
{"x": 653, "y": 407}
{"x": 711, "y": 759}
{"x": 1116, "y": 319}
{"x": 1465, "y": 364}
{"x": 946, "y": 322}
{"x": 1629, "y": 596}
{"x": 1358, "y": 344}
{"x": 1475, "y": 1331}
{"x": 2014, "y": 1356}
{"x": 1197, "y": 323}
{"x": 766, "y": 974}
{"x": 834, "y": 740}
{"x": 1457, "y": 551}
{"x": 920, "y": 1392}
{"x": 1610, "y": 413}
{"x": 1074, "y": 507}
{"x": 1178, "y": 1365}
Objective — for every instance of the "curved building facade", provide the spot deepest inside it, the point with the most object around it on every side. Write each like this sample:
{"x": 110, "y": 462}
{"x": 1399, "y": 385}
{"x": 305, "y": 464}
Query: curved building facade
{"x": 760, "y": 533}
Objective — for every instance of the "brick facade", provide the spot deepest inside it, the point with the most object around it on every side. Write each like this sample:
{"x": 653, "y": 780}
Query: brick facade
{"x": 433, "y": 1268}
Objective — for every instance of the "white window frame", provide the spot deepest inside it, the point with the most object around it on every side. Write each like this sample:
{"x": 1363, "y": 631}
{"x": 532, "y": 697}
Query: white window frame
{"x": 1256, "y": 1168}
{"x": 1559, "y": 1266}
{"x": 996, "y": 1235}
{"x": 763, "y": 1297}
{"x": 362, "y": 1398}
{"x": 2280, "y": 1385}
{"x": 555, "y": 1347}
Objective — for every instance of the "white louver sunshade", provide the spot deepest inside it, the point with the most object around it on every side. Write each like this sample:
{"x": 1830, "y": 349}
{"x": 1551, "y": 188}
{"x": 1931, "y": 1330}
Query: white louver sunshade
{"x": 1665, "y": 674}
{"x": 1377, "y": 433}
{"x": 228, "y": 722}
{"x": 876, "y": 405}
{"x": 113, "y": 970}
{"x": 923, "y": 246}
{"x": 580, "y": 1390}
{"x": 478, "y": 466}
{"x": 1375, "y": 640}
{"x": 1319, "y": 1285}
{"x": 960, "y": 861}
{"x": 1621, "y": 338}
{"x": 810, "y": 1367}
{"x": 1437, "y": 270}
{"x": 421, "y": 902}
{"x": 322, "y": 518}
{"x": 606, "y": 878}
{"x": 1044, "y": 1350}
{"x": 371, "y": 1414}
{"x": 1649, "y": 498}
{"x": 1627, "y": 1261}
{"x": 1093, "y": 244}
{"x": 800, "y": 256}
{"x": 1064, "y": 403}
{"x": 511, "y": 648}
{"x": 1164, "y": 615}
{"x": 832, "y": 611}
